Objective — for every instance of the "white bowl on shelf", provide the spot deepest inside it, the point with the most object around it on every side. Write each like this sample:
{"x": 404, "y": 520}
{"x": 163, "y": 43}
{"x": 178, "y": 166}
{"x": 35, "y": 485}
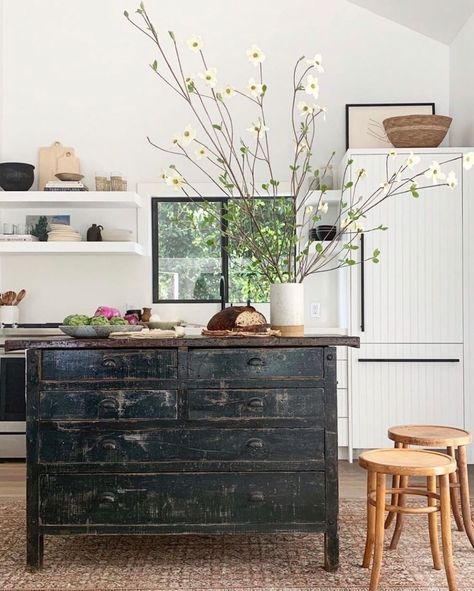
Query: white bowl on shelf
{"x": 116, "y": 235}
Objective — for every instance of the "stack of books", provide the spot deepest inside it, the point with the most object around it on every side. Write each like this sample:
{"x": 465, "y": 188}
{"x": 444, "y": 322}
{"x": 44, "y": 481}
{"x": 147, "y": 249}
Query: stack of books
{"x": 65, "y": 186}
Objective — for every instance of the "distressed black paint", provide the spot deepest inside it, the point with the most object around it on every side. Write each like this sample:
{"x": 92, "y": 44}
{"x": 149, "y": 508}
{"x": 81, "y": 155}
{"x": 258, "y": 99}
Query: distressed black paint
{"x": 179, "y": 437}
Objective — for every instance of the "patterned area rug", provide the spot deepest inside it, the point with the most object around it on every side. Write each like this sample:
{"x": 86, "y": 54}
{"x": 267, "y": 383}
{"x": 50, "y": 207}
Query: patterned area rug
{"x": 226, "y": 563}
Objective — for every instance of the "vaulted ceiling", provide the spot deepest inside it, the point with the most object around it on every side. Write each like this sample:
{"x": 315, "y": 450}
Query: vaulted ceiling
{"x": 439, "y": 19}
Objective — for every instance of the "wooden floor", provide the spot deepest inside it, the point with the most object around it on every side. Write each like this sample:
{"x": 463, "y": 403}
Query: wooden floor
{"x": 351, "y": 480}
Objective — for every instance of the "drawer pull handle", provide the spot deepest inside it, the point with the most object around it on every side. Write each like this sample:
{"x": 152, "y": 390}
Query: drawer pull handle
{"x": 109, "y": 363}
{"x": 107, "y": 497}
{"x": 108, "y": 404}
{"x": 109, "y": 444}
{"x": 256, "y": 362}
{"x": 255, "y": 443}
{"x": 255, "y": 403}
{"x": 256, "y": 497}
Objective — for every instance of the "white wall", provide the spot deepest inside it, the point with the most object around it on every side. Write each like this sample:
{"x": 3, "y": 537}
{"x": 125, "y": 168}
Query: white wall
{"x": 75, "y": 71}
{"x": 462, "y": 86}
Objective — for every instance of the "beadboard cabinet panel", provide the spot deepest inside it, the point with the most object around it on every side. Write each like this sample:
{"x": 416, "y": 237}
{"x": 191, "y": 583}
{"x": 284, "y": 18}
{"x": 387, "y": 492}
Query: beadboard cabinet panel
{"x": 415, "y": 294}
{"x": 404, "y": 384}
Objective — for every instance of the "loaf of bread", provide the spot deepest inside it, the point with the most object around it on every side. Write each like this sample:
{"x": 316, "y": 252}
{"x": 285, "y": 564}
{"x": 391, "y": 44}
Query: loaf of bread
{"x": 238, "y": 318}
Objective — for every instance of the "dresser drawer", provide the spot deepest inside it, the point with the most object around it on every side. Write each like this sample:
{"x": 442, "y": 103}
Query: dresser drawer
{"x": 277, "y": 403}
{"x": 173, "y": 499}
{"x": 96, "y": 364}
{"x": 71, "y": 444}
{"x": 256, "y": 363}
{"x": 108, "y": 404}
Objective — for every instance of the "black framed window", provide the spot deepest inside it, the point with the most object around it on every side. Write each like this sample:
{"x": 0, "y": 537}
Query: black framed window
{"x": 191, "y": 252}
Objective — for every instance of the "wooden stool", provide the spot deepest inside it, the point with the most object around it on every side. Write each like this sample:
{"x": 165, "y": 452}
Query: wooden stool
{"x": 403, "y": 463}
{"x": 454, "y": 441}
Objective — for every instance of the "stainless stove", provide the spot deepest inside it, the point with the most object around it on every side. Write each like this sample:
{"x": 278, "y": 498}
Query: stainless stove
{"x": 12, "y": 388}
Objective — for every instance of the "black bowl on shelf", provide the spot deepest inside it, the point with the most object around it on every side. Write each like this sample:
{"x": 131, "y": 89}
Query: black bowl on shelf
{"x": 323, "y": 233}
{"x": 16, "y": 176}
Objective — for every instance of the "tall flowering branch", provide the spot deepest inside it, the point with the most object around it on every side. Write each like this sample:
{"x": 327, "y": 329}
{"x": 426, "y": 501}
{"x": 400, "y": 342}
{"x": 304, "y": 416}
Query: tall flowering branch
{"x": 235, "y": 164}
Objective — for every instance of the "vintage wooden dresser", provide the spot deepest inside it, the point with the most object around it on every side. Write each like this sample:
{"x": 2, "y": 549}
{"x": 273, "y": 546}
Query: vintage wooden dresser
{"x": 192, "y": 435}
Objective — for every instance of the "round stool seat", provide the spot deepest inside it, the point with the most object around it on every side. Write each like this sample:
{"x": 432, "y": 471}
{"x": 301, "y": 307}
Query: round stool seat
{"x": 429, "y": 435}
{"x": 407, "y": 462}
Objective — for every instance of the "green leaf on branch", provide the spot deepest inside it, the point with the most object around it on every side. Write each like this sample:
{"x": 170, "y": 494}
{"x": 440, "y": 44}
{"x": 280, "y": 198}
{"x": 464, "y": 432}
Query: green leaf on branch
{"x": 210, "y": 242}
{"x": 413, "y": 190}
{"x": 350, "y": 262}
{"x": 171, "y": 34}
{"x": 274, "y": 183}
{"x": 351, "y": 246}
{"x": 154, "y": 66}
{"x": 216, "y": 126}
{"x": 319, "y": 247}
{"x": 265, "y": 186}
{"x": 324, "y": 189}
{"x": 244, "y": 150}
{"x": 343, "y": 204}
{"x": 382, "y": 227}
{"x": 220, "y": 161}
{"x": 294, "y": 168}
{"x": 350, "y": 161}
{"x": 125, "y": 13}
{"x": 376, "y": 253}
{"x": 264, "y": 89}
{"x": 375, "y": 260}
{"x": 348, "y": 185}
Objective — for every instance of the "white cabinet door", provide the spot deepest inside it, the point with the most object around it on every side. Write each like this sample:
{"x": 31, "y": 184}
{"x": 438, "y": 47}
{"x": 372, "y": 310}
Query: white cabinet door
{"x": 414, "y": 295}
{"x": 404, "y": 384}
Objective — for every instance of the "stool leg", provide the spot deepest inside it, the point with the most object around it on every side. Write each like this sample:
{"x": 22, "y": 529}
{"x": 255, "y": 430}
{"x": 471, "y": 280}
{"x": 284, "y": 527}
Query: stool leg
{"x": 433, "y": 525}
{"x": 369, "y": 543}
{"x": 394, "y": 501}
{"x": 446, "y": 532}
{"x": 379, "y": 533}
{"x": 454, "y": 492}
{"x": 465, "y": 501}
{"x": 397, "y": 532}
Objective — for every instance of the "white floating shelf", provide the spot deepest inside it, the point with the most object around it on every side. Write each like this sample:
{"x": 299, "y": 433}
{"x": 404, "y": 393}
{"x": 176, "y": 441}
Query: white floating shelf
{"x": 70, "y": 248}
{"x": 69, "y": 199}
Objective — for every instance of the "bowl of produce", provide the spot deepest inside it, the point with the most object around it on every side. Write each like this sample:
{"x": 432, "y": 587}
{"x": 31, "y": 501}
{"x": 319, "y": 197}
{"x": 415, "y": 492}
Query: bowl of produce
{"x": 98, "y": 326}
{"x": 16, "y": 176}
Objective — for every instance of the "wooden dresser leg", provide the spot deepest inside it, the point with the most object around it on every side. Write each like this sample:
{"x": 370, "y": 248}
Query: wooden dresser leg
{"x": 400, "y": 517}
{"x": 465, "y": 500}
{"x": 394, "y": 501}
{"x": 369, "y": 543}
{"x": 454, "y": 492}
{"x": 433, "y": 525}
{"x": 331, "y": 549}
{"x": 446, "y": 532}
{"x": 379, "y": 533}
{"x": 34, "y": 550}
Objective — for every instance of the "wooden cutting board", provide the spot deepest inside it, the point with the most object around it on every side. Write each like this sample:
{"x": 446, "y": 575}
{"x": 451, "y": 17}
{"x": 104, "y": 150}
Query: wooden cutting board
{"x": 48, "y": 162}
{"x": 68, "y": 163}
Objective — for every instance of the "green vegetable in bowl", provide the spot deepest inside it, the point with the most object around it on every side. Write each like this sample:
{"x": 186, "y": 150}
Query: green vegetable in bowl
{"x": 99, "y": 321}
{"x": 76, "y": 320}
{"x": 117, "y": 320}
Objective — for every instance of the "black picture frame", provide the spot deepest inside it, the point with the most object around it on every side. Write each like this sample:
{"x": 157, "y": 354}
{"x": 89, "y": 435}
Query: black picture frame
{"x": 371, "y": 105}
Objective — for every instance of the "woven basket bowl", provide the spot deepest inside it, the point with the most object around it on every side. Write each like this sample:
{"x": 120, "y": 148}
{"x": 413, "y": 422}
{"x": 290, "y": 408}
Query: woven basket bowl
{"x": 417, "y": 131}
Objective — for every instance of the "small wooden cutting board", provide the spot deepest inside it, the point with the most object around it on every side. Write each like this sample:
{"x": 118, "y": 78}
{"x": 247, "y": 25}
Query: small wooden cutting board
{"x": 48, "y": 162}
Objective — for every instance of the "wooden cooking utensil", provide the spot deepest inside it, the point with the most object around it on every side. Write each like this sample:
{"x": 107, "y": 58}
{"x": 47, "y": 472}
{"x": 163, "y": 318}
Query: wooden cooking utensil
{"x": 21, "y": 294}
{"x": 8, "y": 298}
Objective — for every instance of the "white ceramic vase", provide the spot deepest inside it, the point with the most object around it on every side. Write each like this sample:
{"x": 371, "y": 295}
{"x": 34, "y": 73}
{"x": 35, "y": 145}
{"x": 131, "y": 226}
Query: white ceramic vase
{"x": 287, "y": 308}
{"x": 9, "y": 315}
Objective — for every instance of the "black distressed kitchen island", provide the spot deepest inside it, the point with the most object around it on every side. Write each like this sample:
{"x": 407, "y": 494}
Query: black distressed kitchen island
{"x": 179, "y": 436}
